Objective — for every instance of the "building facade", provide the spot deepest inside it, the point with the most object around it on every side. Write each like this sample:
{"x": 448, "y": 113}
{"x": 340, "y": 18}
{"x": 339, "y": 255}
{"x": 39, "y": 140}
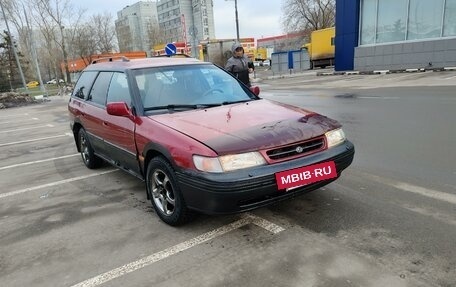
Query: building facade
{"x": 292, "y": 41}
{"x": 395, "y": 34}
{"x": 189, "y": 21}
{"x": 134, "y": 24}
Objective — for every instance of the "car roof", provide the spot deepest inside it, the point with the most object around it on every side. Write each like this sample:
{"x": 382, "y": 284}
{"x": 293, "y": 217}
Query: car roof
{"x": 123, "y": 64}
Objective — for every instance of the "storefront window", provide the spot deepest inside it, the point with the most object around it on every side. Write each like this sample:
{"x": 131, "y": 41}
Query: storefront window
{"x": 368, "y": 21}
{"x": 392, "y": 16}
{"x": 425, "y": 19}
{"x": 385, "y": 21}
{"x": 449, "y": 24}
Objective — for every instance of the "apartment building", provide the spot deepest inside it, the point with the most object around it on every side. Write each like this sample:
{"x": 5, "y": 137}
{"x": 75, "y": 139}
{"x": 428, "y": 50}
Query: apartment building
{"x": 144, "y": 24}
{"x": 189, "y": 21}
{"x": 134, "y": 24}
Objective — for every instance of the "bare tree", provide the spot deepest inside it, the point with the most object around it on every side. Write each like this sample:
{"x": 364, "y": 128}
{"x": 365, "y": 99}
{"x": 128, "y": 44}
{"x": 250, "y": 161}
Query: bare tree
{"x": 124, "y": 38}
{"x": 105, "y": 33}
{"x": 308, "y": 15}
{"x": 50, "y": 53}
{"x": 56, "y": 15}
{"x": 85, "y": 43}
{"x": 154, "y": 34}
{"x": 15, "y": 15}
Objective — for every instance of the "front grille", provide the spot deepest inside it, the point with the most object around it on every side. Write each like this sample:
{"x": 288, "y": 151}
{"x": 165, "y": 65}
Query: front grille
{"x": 297, "y": 149}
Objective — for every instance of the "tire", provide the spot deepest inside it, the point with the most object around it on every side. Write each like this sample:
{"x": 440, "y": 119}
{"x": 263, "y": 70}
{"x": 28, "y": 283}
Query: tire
{"x": 88, "y": 156}
{"x": 165, "y": 193}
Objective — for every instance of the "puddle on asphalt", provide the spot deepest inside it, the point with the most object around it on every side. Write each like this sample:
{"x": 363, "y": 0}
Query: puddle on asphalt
{"x": 346, "y": 96}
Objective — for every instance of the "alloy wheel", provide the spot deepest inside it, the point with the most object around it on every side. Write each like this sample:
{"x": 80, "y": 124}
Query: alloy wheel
{"x": 162, "y": 192}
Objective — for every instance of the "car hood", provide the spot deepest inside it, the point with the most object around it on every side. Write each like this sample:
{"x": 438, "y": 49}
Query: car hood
{"x": 249, "y": 126}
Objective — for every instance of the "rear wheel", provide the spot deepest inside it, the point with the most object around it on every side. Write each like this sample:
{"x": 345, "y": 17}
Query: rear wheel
{"x": 88, "y": 156}
{"x": 165, "y": 193}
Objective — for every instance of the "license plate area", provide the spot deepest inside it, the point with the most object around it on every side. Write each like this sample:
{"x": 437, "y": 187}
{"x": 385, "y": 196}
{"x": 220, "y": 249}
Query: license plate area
{"x": 294, "y": 178}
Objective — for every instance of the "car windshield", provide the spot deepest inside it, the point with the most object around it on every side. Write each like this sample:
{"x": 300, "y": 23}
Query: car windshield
{"x": 188, "y": 87}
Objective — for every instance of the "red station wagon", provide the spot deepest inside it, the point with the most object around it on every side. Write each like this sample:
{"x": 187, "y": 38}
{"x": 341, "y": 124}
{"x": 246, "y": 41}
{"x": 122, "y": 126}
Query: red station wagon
{"x": 200, "y": 139}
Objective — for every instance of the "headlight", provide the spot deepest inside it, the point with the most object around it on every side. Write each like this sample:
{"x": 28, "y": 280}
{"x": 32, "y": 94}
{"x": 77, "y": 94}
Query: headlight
{"x": 335, "y": 137}
{"x": 228, "y": 162}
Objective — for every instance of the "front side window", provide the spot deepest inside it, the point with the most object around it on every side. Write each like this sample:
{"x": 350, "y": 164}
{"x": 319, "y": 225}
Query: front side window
{"x": 118, "y": 89}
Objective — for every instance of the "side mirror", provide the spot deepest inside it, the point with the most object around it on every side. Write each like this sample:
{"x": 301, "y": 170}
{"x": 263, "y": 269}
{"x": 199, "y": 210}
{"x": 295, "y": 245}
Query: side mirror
{"x": 255, "y": 90}
{"x": 119, "y": 109}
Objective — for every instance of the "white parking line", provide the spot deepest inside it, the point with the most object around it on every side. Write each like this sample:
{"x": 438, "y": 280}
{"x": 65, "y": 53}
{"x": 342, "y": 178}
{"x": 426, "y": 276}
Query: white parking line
{"x": 443, "y": 196}
{"x": 37, "y": 139}
{"x": 37, "y": 161}
{"x": 263, "y": 223}
{"x": 14, "y": 116}
{"x": 430, "y": 193}
{"x": 148, "y": 260}
{"x": 8, "y": 194}
{"x": 378, "y": 98}
{"x": 450, "y": 78}
{"x": 29, "y": 128}
{"x": 15, "y": 122}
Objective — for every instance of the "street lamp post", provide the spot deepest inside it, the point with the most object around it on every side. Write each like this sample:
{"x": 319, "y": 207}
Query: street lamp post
{"x": 237, "y": 19}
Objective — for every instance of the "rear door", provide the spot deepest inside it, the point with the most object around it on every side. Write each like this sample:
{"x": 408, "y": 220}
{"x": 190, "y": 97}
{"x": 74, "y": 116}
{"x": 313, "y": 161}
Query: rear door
{"x": 95, "y": 113}
{"x": 81, "y": 108}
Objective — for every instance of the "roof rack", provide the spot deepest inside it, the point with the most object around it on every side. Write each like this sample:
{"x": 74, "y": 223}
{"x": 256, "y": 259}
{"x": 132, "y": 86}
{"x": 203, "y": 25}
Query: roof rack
{"x": 177, "y": 55}
{"x": 110, "y": 59}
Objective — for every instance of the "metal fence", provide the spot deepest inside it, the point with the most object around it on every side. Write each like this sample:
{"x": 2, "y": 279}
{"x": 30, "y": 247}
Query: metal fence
{"x": 290, "y": 62}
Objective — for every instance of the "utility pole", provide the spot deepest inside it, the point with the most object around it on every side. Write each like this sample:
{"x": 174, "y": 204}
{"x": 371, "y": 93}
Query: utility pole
{"x": 14, "y": 48}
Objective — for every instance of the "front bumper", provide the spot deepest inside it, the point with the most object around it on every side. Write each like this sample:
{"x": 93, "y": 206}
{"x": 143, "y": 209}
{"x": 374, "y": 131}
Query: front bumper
{"x": 256, "y": 187}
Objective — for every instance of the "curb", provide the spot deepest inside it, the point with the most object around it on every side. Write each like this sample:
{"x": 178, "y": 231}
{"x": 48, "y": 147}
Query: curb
{"x": 384, "y": 72}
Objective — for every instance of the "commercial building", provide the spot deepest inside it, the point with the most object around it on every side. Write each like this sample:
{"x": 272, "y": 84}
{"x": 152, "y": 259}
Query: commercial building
{"x": 133, "y": 25}
{"x": 395, "y": 34}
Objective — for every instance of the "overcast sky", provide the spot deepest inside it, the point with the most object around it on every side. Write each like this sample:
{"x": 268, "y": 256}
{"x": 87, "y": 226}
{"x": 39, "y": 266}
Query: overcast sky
{"x": 257, "y": 18}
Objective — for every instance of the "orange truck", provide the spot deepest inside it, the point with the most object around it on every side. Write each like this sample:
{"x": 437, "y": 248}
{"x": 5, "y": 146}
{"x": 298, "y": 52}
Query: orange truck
{"x": 321, "y": 48}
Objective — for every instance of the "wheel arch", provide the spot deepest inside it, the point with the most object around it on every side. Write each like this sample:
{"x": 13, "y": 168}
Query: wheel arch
{"x": 76, "y": 128}
{"x": 152, "y": 150}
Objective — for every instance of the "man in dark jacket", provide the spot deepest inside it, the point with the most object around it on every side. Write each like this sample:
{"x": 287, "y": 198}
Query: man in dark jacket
{"x": 239, "y": 64}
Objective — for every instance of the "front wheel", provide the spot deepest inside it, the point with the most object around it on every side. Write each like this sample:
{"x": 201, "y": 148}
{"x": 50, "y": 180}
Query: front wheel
{"x": 165, "y": 193}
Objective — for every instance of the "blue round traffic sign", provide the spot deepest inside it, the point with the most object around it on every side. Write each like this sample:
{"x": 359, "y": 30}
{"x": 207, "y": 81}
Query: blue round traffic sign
{"x": 170, "y": 49}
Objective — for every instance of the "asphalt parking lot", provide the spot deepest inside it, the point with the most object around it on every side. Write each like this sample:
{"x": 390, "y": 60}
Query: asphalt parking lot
{"x": 62, "y": 224}
{"x": 310, "y": 79}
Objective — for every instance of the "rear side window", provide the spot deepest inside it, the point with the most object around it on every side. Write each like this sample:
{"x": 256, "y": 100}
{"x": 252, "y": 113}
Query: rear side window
{"x": 100, "y": 88}
{"x": 85, "y": 81}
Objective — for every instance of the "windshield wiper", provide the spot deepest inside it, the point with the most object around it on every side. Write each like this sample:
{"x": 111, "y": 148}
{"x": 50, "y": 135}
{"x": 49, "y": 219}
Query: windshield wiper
{"x": 236, "y": 102}
{"x": 172, "y": 107}
{"x": 178, "y": 107}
